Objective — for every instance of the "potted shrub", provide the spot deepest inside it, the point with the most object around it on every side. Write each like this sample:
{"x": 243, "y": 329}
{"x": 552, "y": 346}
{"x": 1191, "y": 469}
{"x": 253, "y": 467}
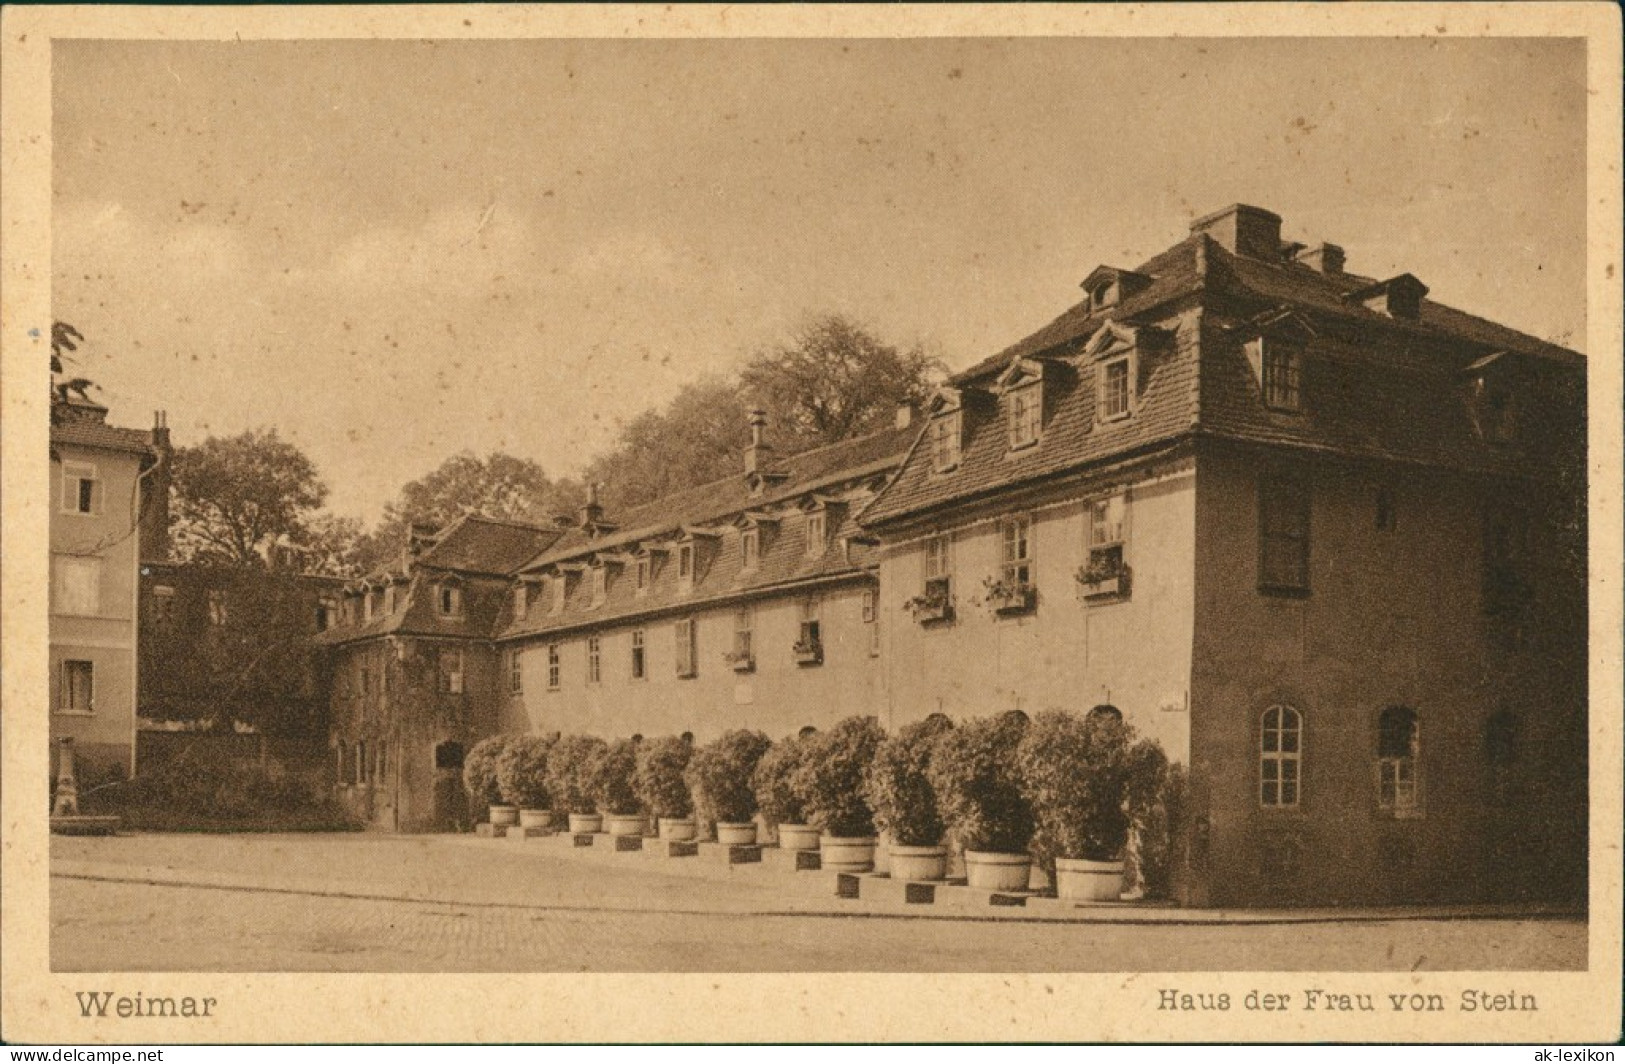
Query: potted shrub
{"x": 1157, "y": 800}
{"x": 899, "y": 791}
{"x": 612, "y": 788}
{"x": 1074, "y": 772}
{"x": 933, "y": 604}
{"x": 777, "y": 798}
{"x": 522, "y": 778}
{"x": 830, "y": 781}
{"x": 1105, "y": 576}
{"x": 571, "y": 765}
{"x": 660, "y": 787}
{"x": 719, "y": 777}
{"x": 480, "y": 780}
{"x": 972, "y": 771}
{"x": 1009, "y": 596}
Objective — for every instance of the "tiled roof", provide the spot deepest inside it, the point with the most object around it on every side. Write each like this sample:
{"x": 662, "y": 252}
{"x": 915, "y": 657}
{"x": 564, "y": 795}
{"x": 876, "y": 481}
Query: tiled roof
{"x": 101, "y": 435}
{"x": 1390, "y": 411}
{"x": 479, "y": 544}
{"x": 731, "y": 495}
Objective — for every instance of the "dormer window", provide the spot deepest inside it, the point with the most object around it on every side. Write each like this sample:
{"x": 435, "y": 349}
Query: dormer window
{"x": 600, "y": 584}
{"x": 1283, "y": 365}
{"x": 644, "y": 571}
{"x": 560, "y": 585}
{"x": 1493, "y": 398}
{"x": 1026, "y": 413}
{"x": 1276, "y": 354}
{"x": 945, "y": 436}
{"x": 685, "y": 567}
{"x": 521, "y": 601}
{"x": 1022, "y": 386}
{"x": 389, "y": 600}
{"x": 1114, "y": 389}
{"x": 449, "y": 600}
{"x": 750, "y": 545}
{"x": 817, "y": 533}
{"x": 1108, "y": 286}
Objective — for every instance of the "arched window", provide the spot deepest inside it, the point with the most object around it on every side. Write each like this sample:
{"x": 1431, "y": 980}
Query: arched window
{"x": 806, "y": 730}
{"x": 1280, "y": 757}
{"x": 1105, "y": 712}
{"x": 1399, "y": 785}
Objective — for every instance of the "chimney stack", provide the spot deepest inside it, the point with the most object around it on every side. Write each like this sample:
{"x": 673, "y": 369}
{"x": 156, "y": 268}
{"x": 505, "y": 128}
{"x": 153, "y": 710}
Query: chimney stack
{"x": 419, "y": 538}
{"x": 1323, "y": 258}
{"x": 758, "y": 453}
{"x": 1243, "y": 230}
{"x": 154, "y": 520}
{"x": 591, "y": 513}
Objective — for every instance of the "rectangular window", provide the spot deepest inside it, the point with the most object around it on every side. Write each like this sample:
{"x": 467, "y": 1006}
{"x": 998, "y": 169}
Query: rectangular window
{"x": 78, "y": 585}
{"x": 451, "y": 670}
{"x": 643, "y": 574}
{"x": 1280, "y": 755}
{"x": 1016, "y": 559}
{"x": 871, "y": 619}
{"x": 1282, "y": 370}
{"x": 366, "y": 607}
{"x": 1026, "y": 414}
{"x": 1398, "y": 751}
{"x": 600, "y": 584}
{"x": 685, "y": 566}
{"x": 162, "y": 608}
{"x": 817, "y": 533}
{"x": 750, "y": 546}
{"x": 521, "y": 601}
{"x": 743, "y": 623}
{"x": 389, "y": 601}
{"x": 945, "y": 437}
{"x": 811, "y": 628}
{"x": 640, "y": 667}
{"x": 78, "y": 687}
{"x": 1115, "y": 389}
{"x": 1283, "y": 504}
{"x": 684, "y": 633}
{"x": 516, "y": 675}
{"x": 553, "y": 670}
{"x": 450, "y": 600}
{"x": 559, "y": 587}
{"x": 1108, "y": 535}
{"x": 937, "y": 562}
{"x": 81, "y": 489}
{"x": 595, "y": 660}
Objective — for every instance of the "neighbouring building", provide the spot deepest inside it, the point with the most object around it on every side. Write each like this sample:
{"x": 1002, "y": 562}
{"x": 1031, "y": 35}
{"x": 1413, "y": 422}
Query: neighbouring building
{"x": 108, "y": 503}
{"x": 413, "y": 669}
{"x": 1320, "y": 536}
{"x": 749, "y": 602}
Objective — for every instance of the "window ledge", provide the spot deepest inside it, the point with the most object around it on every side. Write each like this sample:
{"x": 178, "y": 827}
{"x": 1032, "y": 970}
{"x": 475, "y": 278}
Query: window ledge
{"x": 76, "y": 712}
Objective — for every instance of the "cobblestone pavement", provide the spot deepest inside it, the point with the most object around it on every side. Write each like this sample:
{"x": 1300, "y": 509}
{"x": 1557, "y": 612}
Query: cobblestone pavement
{"x": 372, "y": 903}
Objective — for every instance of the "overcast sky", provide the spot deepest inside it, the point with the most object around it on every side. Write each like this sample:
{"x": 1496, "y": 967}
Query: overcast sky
{"x": 393, "y": 251}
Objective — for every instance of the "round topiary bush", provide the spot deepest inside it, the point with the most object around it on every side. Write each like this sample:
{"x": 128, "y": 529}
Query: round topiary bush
{"x": 1073, "y": 771}
{"x": 658, "y": 779}
{"x": 480, "y": 771}
{"x": 830, "y": 779}
{"x": 972, "y": 771}
{"x": 773, "y": 782}
{"x": 571, "y": 766}
{"x": 522, "y": 772}
{"x": 721, "y": 773}
{"x": 898, "y": 785}
{"x": 611, "y": 782}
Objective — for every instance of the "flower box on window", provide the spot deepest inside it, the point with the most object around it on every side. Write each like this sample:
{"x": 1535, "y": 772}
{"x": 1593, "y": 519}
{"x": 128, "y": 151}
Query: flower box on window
{"x": 808, "y": 652}
{"x": 1104, "y": 579}
{"x": 740, "y": 660}
{"x": 934, "y": 604}
{"x": 1007, "y": 597}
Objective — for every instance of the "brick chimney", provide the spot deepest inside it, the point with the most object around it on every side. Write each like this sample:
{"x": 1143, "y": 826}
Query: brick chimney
{"x": 758, "y": 454}
{"x": 419, "y": 538}
{"x": 1243, "y": 230}
{"x": 1323, "y": 258}
{"x": 154, "y": 519}
{"x": 591, "y": 513}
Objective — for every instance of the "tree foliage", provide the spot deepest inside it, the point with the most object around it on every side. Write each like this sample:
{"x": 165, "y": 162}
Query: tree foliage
{"x": 697, "y": 438}
{"x": 237, "y": 497}
{"x": 64, "y": 339}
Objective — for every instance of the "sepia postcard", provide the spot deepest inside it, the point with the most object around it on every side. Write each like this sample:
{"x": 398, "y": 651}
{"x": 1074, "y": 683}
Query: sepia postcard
{"x": 1002, "y": 523}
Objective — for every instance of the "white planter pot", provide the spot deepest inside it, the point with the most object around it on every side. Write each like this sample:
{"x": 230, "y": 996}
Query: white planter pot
{"x": 535, "y": 818}
{"x": 998, "y": 871}
{"x": 677, "y": 829}
{"x": 1080, "y": 880}
{"x": 918, "y": 864}
{"x": 504, "y": 815}
{"x": 586, "y": 823}
{"x": 798, "y": 837}
{"x": 837, "y": 854}
{"x": 619, "y": 824}
{"x": 736, "y": 834}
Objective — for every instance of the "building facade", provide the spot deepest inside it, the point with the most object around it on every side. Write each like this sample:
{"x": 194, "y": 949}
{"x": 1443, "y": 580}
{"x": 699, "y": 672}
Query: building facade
{"x": 109, "y": 498}
{"x": 1319, "y": 536}
{"x": 413, "y": 670}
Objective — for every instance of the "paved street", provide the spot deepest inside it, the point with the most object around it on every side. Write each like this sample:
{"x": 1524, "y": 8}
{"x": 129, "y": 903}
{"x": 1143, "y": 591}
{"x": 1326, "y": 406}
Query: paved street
{"x": 374, "y": 903}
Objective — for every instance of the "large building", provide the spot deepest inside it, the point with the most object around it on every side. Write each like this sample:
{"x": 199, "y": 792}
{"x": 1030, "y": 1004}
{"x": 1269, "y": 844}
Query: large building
{"x": 109, "y": 501}
{"x": 1320, "y": 536}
